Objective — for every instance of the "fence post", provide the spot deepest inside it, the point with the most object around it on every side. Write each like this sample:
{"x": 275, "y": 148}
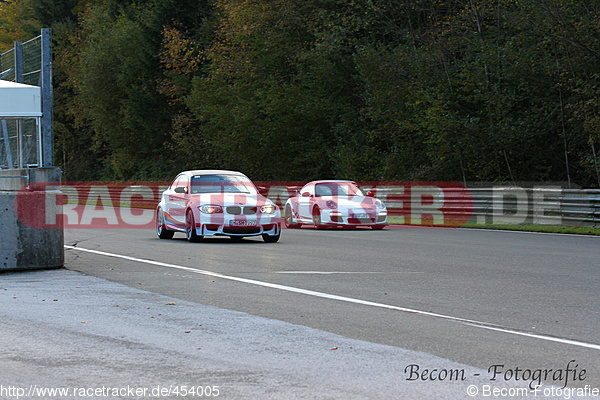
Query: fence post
{"x": 7, "y": 144}
{"x": 47, "y": 103}
{"x": 19, "y": 79}
{"x": 18, "y": 62}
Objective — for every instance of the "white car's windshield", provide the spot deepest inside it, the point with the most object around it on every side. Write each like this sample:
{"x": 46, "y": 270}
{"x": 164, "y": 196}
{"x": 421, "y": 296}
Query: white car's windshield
{"x": 222, "y": 184}
{"x": 337, "y": 189}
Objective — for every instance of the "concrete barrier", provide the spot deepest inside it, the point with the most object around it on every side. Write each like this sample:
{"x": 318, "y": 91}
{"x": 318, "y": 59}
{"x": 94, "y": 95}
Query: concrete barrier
{"x": 23, "y": 246}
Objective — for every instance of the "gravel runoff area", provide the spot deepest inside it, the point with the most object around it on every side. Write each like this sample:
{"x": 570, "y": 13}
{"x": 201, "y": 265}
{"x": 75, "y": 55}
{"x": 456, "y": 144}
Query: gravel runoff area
{"x": 93, "y": 338}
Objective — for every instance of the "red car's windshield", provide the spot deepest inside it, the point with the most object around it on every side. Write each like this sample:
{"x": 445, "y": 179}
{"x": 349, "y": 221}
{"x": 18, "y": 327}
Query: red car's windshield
{"x": 337, "y": 189}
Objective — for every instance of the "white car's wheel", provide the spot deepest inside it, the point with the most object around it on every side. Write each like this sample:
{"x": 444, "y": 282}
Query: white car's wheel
{"x": 317, "y": 218}
{"x": 161, "y": 229}
{"x": 190, "y": 228}
{"x": 288, "y": 218}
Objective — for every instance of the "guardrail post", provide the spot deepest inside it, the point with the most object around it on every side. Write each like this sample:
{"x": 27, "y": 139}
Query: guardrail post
{"x": 503, "y": 212}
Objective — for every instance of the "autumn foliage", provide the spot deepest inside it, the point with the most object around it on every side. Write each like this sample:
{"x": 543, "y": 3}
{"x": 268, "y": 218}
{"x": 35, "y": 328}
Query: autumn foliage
{"x": 502, "y": 90}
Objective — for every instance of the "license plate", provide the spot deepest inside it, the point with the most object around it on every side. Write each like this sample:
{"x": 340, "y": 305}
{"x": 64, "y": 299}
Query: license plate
{"x": 360, "y": 215}
{"x": 242, "y": 223}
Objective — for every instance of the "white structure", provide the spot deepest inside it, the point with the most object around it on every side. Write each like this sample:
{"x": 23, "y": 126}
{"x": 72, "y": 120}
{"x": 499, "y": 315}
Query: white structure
{"x": 19, "y": 101}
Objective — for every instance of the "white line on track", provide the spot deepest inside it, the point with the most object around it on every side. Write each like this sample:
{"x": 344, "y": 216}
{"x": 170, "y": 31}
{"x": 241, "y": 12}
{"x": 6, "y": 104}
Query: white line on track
{"x": 345, "y": 272}
{"x": 478, "y": 324}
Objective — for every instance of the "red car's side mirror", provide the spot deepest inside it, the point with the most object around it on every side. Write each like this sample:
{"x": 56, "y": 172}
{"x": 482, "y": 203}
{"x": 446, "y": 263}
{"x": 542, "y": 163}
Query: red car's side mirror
{"x": 370, "y": 194}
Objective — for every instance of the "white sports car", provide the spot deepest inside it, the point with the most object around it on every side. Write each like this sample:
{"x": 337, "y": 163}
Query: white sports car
{"x": 334, "y": 203}
{"x": 215, "y": 202}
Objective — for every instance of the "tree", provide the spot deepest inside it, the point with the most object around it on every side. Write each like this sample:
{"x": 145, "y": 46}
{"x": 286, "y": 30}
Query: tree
{"x": 17, "y": 23}
{"x": 119, "y": 84}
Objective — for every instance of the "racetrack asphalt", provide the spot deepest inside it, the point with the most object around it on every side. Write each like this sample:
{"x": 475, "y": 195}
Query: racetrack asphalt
{"x": 101, "y": 339}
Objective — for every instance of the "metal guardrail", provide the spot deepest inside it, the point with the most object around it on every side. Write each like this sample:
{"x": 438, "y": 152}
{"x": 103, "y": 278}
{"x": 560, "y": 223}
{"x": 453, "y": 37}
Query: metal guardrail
{"x": 497, "y": 205}
{"x": 553, "y": 206}
{"x": 413, "y": 203}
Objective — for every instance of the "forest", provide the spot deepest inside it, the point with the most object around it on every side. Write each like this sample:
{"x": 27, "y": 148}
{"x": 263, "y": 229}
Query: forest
{"x": 369, "y": 90}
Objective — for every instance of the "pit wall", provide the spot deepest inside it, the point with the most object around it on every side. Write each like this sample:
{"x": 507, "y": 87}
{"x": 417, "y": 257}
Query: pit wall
{"x": 23, "y": 247}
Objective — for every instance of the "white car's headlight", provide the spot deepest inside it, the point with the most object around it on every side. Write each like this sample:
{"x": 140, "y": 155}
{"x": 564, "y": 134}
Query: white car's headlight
{"x": 380, "y": 204}
{"x": 210, "y": 209}
{"x": 268, "y": 209}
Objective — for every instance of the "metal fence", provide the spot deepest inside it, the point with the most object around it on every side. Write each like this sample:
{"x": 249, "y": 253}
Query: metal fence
{"x": 8, "y": 65}
{"x": 20, "y": 142}
{"x": 29, "y": 67}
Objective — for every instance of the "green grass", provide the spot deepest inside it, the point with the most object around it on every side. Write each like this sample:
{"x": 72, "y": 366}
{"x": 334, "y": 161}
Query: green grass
{"x": 566, "y": 229}
{"x": 576, "y": 230}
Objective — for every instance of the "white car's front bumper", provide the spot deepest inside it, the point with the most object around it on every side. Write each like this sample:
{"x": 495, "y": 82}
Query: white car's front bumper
{"x": 335, "y": 217}
{"x": 230, "y": 225}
